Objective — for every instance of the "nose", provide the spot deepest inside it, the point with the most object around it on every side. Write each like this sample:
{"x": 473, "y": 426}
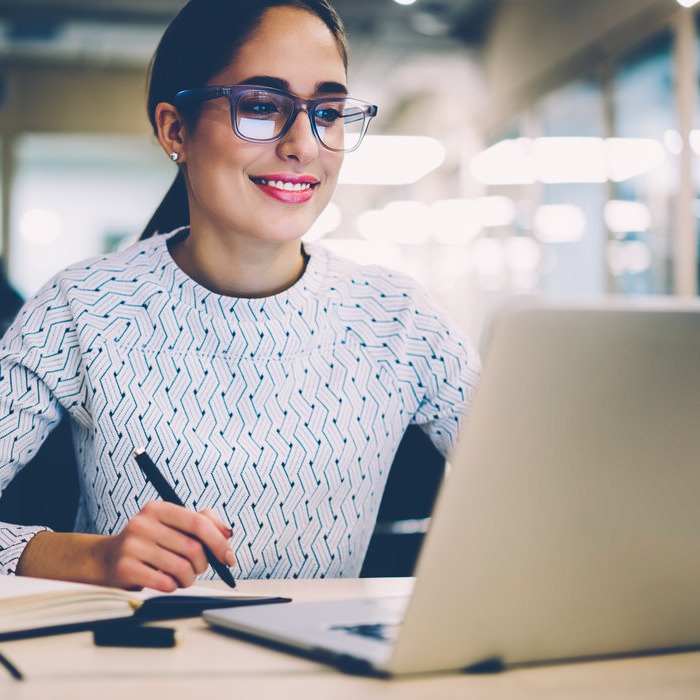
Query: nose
{"x": 299, "y": 143}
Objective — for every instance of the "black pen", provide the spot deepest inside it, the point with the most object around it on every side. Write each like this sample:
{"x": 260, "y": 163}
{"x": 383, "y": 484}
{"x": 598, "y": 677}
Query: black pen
{"x": 11, "y": 668}
{"x": 166, "y": 492}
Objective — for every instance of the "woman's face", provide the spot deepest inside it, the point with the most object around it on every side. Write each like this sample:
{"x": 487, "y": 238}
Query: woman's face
{"x": 242, "y": 188}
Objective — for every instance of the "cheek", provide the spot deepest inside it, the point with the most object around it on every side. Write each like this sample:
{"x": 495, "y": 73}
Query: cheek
{"x": 213, "y": 139}
{"x": 332, "y": 164}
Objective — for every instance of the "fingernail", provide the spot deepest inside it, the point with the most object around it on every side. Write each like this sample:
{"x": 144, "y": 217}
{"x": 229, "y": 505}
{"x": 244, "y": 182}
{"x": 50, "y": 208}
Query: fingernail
{"x": 230, "y": 558}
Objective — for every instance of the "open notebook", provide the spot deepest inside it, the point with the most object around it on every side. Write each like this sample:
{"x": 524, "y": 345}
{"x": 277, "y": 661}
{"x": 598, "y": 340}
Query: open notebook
{"x": 33, "y": 607}
{"x": 569, "y": 523}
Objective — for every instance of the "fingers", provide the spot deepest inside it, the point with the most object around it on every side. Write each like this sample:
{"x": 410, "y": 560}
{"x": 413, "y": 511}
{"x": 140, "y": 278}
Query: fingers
{"x": 227, "y": 531}
{"x": 161, "y": 547}
{"x": 134, "y": 574}
{"x": 205, "y": 526}
{"x": 168, "y": 549}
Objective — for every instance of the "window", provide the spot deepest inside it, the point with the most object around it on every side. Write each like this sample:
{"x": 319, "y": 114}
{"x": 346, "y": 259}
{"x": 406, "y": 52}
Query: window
{"x": 75, "y": 196}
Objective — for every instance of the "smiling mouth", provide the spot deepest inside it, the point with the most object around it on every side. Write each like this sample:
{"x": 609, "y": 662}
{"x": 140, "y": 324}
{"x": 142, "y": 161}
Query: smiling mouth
{"x": 285, "y": 186}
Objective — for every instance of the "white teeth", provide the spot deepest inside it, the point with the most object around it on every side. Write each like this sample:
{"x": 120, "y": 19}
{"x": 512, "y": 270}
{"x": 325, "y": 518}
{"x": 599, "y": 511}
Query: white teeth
{"x": 287, "y": 186}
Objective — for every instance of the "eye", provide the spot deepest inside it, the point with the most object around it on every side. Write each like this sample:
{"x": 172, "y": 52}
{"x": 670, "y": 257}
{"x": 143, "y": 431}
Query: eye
{"x": 259, "y": 106}
{"x": 327, "y": 115}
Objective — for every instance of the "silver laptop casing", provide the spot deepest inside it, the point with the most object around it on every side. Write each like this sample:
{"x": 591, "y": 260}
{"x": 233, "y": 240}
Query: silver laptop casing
{"x": 569, "y": 523}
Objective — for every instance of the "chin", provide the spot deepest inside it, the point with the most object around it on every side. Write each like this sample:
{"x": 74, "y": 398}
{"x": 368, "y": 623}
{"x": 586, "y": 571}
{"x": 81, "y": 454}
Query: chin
{"x": 286, "y": 232}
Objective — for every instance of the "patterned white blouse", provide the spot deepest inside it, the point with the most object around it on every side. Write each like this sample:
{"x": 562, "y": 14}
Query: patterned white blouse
{"x": 283, "y": 414}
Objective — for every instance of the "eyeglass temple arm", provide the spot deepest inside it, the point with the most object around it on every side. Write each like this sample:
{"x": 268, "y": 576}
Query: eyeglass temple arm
{"x": 207, "y": 93}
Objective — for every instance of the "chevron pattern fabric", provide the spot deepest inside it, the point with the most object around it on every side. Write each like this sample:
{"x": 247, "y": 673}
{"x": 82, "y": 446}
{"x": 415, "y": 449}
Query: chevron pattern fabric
{"x": 283, "y": 414}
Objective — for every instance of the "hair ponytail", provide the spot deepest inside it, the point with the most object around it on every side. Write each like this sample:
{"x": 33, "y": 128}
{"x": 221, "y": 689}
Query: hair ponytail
{"x": 173, "y": 212}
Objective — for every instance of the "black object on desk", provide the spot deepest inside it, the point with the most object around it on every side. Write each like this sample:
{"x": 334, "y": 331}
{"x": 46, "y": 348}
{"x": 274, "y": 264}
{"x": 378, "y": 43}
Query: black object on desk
{"x": 165, "y": 607}
{"x": 11, "y": 668}
{"x": 173, "y": 606}
{"x": 128, "y": 634}
{"x": 167, "y": 493}
{"x": 132, "y": 633}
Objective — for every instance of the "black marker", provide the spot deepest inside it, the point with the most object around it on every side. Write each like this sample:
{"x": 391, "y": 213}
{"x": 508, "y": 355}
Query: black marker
{"x": 166, "y": 492}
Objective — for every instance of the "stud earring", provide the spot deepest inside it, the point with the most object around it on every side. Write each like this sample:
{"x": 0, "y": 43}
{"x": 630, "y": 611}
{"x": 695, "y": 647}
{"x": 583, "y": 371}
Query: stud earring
{"x": 174, "y": 156}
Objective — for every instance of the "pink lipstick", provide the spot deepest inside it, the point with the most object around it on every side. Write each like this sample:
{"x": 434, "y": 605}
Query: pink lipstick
{"x": 291, "y": 189}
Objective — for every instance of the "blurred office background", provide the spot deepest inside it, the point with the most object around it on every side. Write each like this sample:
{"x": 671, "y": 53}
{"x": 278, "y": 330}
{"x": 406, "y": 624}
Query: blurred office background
{"x": 523, "y": 147}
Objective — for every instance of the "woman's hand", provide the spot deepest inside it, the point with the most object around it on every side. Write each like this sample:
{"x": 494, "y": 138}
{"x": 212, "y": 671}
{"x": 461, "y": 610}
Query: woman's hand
{"x": 160, "y": 548}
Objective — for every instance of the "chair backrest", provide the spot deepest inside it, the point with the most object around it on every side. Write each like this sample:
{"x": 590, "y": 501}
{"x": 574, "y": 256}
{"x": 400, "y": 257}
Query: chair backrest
{"x": 45, "y": 492}
{"x": 404, "y": 513}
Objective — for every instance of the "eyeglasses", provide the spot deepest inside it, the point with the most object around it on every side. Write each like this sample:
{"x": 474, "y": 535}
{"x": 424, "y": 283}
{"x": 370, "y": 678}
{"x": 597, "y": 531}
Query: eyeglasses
{"x": 263, "y": 115}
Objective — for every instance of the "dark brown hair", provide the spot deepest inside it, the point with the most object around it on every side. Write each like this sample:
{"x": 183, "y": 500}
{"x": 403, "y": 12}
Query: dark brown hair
{"x": 199, "y": 43}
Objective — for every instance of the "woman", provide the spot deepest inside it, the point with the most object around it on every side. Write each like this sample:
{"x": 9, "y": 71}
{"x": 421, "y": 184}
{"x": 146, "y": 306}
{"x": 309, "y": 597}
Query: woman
{"x": 270, "y": 380}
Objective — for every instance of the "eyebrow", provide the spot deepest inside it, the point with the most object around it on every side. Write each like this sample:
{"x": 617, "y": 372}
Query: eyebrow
{"x": 324, "y": 88}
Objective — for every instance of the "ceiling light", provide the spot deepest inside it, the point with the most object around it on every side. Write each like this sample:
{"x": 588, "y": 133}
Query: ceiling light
{"x": 623, "y": 217}
{"x": 628, "y": 158}
{"x": 694, "y": 140}
{"x": 569, "y": 159}
{"x": 402, "y": 222}
{"x": 628, "y": 257}
{"x": 392, "y": 160}
{"x": 566, "y": 160}
{"x": 457, "y": 221}
{"x": 559, "y": 223}
{"x": 687, "y": 3}
{"x": 674, "y": 142}
{"x": 507, "y": 162}
{"x": 494, "y": 211}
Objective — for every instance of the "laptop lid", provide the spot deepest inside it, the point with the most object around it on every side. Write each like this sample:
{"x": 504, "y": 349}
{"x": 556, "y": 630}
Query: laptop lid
{"x": 568, "y": 525}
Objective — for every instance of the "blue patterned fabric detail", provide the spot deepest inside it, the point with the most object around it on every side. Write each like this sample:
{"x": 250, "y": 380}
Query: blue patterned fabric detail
{"x": 283, "y": 414}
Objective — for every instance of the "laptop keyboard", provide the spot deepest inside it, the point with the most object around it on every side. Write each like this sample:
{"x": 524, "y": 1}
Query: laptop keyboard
{"x": 383, "y": 632}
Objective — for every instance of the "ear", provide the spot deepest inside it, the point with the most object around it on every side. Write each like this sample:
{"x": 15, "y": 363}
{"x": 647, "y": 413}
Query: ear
{"x": 171, "y": 129}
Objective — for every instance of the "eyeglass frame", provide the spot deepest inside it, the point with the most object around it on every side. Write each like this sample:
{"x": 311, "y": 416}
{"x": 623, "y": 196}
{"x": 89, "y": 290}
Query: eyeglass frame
{"x": 234, "y": 92}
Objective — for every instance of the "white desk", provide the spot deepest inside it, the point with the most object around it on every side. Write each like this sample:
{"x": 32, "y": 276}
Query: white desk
{"x": 206, "y": 665}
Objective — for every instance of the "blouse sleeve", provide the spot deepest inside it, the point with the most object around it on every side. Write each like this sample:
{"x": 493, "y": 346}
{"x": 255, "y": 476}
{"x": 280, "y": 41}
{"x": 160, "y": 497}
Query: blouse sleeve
{"x": 28, "y": 413}
{"x": 450, "y": 372}
{"x": 436, "y": 367}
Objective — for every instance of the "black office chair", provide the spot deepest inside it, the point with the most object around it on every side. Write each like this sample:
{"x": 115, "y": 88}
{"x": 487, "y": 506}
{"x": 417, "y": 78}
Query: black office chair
{"x": 45, "y": 492}
{"x": 404, "y": 513}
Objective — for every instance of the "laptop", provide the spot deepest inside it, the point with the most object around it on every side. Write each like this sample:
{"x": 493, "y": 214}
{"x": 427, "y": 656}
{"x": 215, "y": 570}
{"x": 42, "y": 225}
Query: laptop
{"x": 568, "y": 525}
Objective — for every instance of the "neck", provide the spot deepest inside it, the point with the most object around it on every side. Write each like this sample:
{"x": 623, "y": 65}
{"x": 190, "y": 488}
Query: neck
{"x": 228, "y": 267}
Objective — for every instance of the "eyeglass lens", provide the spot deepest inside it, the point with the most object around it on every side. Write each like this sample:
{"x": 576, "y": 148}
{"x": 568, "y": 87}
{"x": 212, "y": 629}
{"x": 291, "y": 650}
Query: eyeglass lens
{"x": 263, "y": 116}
